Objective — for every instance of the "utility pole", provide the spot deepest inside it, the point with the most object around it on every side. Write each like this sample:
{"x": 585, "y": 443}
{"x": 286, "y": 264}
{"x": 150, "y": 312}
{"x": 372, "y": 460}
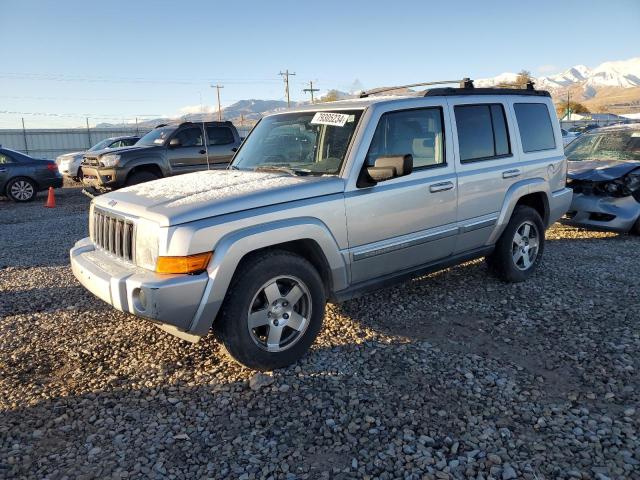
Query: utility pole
{"x": 311, "y": 90}
{"x": 568, "y": 111}
{"x": 218, "y": 87}
{"x": 285, "y": 76}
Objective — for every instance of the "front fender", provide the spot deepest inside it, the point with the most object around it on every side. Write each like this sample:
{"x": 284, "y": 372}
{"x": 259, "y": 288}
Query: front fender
{"x": 515, "y": 193}
{"x": 231, "y": 248}
{"x": 156, "y": 160}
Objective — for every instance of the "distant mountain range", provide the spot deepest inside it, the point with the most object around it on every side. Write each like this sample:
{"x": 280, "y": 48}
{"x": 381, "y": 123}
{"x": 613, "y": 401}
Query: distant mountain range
{"x": 611, "y": 86}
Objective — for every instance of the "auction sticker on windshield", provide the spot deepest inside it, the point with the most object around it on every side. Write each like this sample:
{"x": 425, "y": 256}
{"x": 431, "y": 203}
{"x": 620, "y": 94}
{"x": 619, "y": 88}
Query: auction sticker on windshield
{"x": 329, "y": 118}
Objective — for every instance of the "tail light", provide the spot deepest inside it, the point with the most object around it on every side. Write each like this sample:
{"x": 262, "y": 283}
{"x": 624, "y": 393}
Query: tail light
{"x": 52, "y": 167}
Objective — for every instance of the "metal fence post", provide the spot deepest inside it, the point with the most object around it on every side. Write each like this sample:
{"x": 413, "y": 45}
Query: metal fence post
{"x": 88, "y": 133}
{"x": 24, "y": 134}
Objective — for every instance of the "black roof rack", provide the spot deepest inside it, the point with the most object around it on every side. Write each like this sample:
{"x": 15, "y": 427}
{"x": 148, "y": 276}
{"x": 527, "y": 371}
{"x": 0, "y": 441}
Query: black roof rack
{"x": 464, "y": 83}
{"x": 466, "y": 87}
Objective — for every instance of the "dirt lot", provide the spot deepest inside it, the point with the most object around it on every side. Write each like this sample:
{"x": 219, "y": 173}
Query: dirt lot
{"x": 452, "y": 375}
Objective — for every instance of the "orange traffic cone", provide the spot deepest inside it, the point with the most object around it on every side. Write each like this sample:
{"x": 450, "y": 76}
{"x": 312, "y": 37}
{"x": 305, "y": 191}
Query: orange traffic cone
{"x": 51, "y": 199}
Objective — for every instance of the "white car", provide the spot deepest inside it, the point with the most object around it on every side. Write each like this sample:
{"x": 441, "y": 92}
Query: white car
{"x": 69, "y": 163}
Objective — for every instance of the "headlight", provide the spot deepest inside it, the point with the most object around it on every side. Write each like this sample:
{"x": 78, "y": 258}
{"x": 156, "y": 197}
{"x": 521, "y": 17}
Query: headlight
{"x": 109, "y": 160}
{"x": 147, "y": 244}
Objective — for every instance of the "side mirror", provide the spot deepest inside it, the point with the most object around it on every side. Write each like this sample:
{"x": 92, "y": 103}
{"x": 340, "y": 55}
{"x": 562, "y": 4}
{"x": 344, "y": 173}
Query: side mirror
{"x": 388, "y": 167}
{"x": 174, "y": 142}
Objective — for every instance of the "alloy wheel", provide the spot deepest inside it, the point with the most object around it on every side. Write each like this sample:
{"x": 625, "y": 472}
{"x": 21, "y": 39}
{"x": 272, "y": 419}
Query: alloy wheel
{"x": 279, "y": 313}
{"x": 22, "y": 190}
{"x": 526, "y": 242}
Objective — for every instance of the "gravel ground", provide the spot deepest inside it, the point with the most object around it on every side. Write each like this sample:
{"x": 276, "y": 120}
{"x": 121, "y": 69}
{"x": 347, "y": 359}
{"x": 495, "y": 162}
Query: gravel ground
{"x": 452, "y": 375}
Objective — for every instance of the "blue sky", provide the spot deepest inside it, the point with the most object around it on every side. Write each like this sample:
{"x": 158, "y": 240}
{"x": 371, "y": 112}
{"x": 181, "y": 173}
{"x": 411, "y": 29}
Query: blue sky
{"x": 116, "y": 60}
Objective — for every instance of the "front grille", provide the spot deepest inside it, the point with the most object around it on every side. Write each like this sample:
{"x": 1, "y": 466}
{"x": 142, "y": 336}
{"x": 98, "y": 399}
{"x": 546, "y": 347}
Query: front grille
{"x": 113, "y": 234}
{"x": 92, "y": 161}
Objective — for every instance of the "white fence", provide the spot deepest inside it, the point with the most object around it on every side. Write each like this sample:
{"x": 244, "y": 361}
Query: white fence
{"x": 49, "y": 143}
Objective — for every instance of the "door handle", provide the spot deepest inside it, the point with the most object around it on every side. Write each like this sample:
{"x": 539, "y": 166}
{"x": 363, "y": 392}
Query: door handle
{"x": 202, "y": 152}
{"x": 440, "y": 187}
{"x": 511, "y": 173}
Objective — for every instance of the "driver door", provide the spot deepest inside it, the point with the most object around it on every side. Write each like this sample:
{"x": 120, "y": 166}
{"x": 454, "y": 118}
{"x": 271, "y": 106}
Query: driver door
{"x": 189, "y": 155}
{"x": 408, "y": 221}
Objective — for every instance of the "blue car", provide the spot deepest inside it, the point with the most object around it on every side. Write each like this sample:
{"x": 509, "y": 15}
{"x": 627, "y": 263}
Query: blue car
{"x": 22, "y": 176}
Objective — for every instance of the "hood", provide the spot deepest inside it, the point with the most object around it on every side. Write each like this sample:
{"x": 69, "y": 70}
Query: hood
{"x": 70, "y": 155}
{"x": 600, "y": 170}
{"x": 124, "y": 150}
{"x": 194, "y": 196}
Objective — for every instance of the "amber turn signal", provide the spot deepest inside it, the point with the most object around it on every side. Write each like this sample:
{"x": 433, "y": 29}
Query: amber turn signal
{"x": 188, "y": 264}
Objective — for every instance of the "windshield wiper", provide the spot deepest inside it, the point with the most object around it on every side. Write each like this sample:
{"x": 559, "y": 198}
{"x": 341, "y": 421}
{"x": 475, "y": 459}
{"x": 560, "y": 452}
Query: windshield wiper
{"x": 277, "y": 168}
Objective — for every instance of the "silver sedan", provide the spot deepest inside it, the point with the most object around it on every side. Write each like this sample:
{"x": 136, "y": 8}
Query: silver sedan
{"x": 604, "y": 173}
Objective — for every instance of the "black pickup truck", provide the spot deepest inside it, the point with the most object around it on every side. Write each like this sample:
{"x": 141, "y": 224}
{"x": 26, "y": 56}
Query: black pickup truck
{"x": 168, "y": 149}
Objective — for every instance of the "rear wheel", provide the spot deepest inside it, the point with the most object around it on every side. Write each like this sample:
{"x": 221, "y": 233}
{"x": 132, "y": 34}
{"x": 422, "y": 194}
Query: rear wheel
{"x": 140, "y": 177}
{"x": 21, "y": 189}
{"x": 519, "y": 249}
{"x": 273, "y": 311}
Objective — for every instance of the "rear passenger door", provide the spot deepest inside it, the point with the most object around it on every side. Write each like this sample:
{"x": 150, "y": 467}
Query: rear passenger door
{"x": 408, "y": 221}
{"x": 486, "y": 162}
{"x": 221, "y": 141}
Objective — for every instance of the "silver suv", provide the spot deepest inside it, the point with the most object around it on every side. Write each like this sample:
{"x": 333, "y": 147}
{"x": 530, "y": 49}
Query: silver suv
{"x": 328, "y": 202}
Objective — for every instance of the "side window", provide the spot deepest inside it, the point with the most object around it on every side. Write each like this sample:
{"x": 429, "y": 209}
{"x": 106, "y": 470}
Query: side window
{"x": 418, "y": 132}
{"x": 5, "y": 159}
{"x": 116, "y": 144}
{"x": 534, "y": 123}
{"x": 220, "y": 135}
{"x": 482, "y": 132}
{"x": 190, "y": 137}
{"x": 127, "y": 142}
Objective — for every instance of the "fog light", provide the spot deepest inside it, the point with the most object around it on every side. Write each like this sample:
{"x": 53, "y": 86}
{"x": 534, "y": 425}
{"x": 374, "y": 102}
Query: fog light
{"x": 139, "y": 299}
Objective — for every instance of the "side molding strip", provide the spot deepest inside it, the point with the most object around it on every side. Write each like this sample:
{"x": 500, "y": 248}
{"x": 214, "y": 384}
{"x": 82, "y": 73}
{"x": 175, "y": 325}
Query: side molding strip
{"x": 430, "y": 237}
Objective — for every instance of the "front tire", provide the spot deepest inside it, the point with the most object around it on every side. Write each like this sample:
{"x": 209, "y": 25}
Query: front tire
{"x": 21, "y": 189}
{"x": 273, "y": 311}
{"x": 519, "y": 249}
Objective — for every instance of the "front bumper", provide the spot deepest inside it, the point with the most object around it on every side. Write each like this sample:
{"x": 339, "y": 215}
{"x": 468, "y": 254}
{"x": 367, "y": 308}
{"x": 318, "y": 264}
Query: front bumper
{"x": 169, "y": 300}
{"x": 603, "y": 213}
{"x": 100, "y": 178}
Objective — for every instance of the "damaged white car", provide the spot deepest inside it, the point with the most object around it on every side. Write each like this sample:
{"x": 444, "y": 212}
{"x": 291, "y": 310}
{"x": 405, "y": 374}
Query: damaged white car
{"x": 604, "y": 173}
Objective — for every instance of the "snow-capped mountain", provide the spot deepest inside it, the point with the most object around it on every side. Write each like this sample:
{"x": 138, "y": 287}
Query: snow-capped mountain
{"x": 620, "y": 74}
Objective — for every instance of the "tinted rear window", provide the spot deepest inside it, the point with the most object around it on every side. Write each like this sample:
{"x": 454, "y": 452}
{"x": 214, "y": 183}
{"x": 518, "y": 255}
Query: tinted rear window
{"x": 482, "y": 132}
{"x": 534, "y": 123}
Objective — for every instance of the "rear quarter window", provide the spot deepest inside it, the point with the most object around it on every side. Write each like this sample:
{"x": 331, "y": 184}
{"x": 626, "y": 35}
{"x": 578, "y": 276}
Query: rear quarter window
{"x": 534, "y": 123}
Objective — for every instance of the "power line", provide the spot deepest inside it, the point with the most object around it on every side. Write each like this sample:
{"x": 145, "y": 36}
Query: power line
{"x": 285, "y": 76}
{"x": 311, "y": 90}
{"x": 58, "y": 77}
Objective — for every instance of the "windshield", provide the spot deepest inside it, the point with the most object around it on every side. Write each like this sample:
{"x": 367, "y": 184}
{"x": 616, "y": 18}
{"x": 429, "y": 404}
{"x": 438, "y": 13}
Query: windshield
{"x": 101, "y": 145}
{"x": 157, "y": 136}
{"x": 300, "y": 143}
{"x": 622, "y": 145}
